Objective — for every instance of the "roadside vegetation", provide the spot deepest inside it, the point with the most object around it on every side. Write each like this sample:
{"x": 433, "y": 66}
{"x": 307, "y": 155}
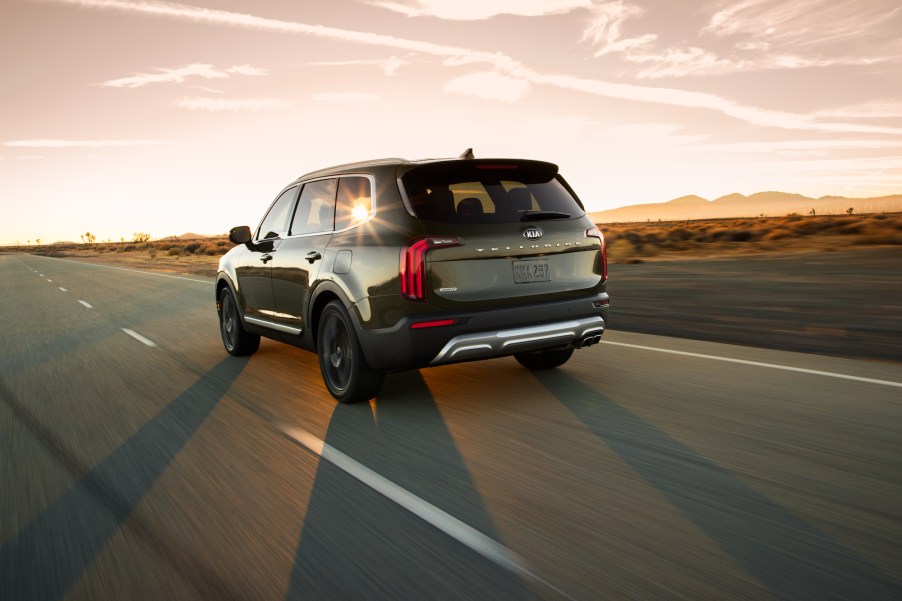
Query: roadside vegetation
{"x": 635, "y": 242}
{"x": 627, "y": 242}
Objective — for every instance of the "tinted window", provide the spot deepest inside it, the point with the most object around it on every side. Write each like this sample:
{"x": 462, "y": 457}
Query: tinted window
{"x": 489, "y": 192}
{"x": 275, "y": 224}
{"x": 316, "y": 208}
{"x": 354, "y": 203}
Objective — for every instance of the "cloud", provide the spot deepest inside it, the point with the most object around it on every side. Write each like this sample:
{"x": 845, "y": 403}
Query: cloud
{"x": 473, "y": 10}
{"x": 805, "y": 23}
{"x": 503, "y": 64}
{"x": 765, "y": 35}
{"x": 877, "y": 109}
{"x": 489, "y": 85}
{"x": 247, "y": 70}
{"x": 83, "y": 143}
{"x": 180, "y": 74}
{"x": 344, "y": 97}
{"x": 198, "y": 103}
{"x": 389, "y": 65}
{"x": 604, "y": 29}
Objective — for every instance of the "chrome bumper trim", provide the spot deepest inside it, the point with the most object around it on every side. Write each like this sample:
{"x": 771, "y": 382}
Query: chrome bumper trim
{"x": 504, "y": 342}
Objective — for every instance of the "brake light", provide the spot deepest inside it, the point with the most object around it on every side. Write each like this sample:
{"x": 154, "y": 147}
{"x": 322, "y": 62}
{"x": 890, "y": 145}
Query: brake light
{"x": 413, "y": 265}
{"x": 594, "y": 232}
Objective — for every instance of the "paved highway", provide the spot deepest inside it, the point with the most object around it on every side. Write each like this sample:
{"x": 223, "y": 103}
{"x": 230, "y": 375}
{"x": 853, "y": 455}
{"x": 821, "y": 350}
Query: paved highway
{"x": 139, "y": 461}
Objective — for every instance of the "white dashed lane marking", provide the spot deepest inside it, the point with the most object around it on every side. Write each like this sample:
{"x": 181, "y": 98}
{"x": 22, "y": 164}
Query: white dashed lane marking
{"x": 86, "y": 304}
{"x": 140, "y": 338}
{"x": 63, "y": 289}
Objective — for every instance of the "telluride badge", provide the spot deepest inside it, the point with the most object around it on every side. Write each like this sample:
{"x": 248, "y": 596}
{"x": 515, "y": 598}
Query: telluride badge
{"x": 532, "y": 233}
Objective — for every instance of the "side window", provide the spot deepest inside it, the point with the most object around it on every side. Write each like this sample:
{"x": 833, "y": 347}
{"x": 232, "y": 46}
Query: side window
{"x": 275, "y": 223}
{"x": 316, "y": 208}
{"x": 354, "y": 203}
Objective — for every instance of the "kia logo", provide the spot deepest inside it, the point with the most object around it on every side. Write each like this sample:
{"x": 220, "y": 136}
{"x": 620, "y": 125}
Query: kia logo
{"x": 532, "y": 233}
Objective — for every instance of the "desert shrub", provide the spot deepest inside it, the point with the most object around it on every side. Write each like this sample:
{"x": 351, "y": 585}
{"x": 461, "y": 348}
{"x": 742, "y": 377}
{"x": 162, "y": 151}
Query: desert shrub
{"x": 175, "y": 251}
{"x": 223, "y": 243}
{"x": 740, "y": 235}
{"x": 191, "y": 247}
{"x": 680, "y": 233}
{"x": 152, "y": 251}
{"x": 881, "y": 238}
{"x": 778, "y": 234}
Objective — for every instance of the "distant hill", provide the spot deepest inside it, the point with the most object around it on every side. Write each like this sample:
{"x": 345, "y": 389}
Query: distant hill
{"x": 772, "y": 204}
{"x": 188, "y": 236}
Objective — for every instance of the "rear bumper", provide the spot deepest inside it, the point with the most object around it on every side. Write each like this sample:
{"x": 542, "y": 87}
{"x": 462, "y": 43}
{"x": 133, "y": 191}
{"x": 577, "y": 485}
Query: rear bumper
{"x": 573, "y": 333}
{"x": 486, "y": 334}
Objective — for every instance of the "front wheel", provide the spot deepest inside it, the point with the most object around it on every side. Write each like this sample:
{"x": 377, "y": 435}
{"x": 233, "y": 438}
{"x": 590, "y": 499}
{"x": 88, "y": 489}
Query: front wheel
{"x": 544, "y": 359}
{"x": 347, "y": 375}
{"x": 235, "y": 338}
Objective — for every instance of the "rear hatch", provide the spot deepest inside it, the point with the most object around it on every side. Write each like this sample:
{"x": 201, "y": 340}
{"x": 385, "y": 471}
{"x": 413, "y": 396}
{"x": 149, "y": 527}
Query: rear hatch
{"x": 500, "y": 233}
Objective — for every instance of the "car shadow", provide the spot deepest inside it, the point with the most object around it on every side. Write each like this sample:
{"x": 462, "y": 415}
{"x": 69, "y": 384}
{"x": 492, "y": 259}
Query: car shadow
{"x": 357, "y": 544}
{"x": 792, "y": 558}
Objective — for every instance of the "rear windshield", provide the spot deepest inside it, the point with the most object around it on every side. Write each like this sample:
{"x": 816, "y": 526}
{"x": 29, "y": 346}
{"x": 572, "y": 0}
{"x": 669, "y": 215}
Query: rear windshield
{"x": 489, "y": 192}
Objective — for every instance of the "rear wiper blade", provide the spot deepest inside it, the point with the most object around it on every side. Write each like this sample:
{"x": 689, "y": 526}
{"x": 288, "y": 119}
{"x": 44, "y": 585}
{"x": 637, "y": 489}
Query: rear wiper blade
{"x": 540, "y": 215}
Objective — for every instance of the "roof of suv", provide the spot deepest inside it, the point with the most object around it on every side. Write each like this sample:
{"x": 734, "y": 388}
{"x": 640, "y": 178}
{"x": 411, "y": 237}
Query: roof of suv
{"x": 389, "y": 162}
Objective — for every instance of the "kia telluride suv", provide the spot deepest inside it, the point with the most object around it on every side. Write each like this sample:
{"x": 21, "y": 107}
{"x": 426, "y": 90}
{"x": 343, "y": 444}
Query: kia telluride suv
{"x": 390, "y": 265}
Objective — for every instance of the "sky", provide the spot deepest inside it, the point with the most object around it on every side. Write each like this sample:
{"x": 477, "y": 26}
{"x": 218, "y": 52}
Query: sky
{"x": 126, "y": 116}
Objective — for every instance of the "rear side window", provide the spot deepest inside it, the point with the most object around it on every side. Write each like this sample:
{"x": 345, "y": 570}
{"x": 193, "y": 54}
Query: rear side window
{"x": 316, "y": 208}
{"x": 275, "y": 224}
{"x": 489, "y": 192}
{"x": 354, "y": 204}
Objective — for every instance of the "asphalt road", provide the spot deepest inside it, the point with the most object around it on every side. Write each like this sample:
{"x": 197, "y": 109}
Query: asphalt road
{"x": 835, "y": 303}
{"x": 139, "y": 461}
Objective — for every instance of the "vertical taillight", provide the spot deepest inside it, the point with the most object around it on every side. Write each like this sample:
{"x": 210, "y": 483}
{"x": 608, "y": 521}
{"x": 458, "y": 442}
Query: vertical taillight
{"x": 594, "y": 232}
{"x": 413, "y": 265}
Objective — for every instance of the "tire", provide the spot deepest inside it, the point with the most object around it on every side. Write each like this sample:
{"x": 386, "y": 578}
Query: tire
{"x": 346, "y": 374}
{"x": 544, "y": 359}
{"x": 236, "y": 340}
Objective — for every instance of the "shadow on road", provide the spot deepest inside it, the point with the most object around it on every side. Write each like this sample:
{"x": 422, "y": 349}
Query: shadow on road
{"x": 356, "y": 544}
{"x": 51, "y": 553}
{"x": 792, "y": 558}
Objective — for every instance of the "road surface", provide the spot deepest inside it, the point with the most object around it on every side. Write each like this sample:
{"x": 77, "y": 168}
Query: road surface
{"x": 139, "y": 461}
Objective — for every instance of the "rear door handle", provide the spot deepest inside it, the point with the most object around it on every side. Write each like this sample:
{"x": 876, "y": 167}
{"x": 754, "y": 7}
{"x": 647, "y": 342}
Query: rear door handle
{"x": 266, "y": 257}
{"x": 313, "y": 256}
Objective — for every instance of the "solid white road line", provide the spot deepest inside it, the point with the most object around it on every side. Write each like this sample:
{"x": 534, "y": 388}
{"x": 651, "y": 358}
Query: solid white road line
{"x": 815, "y": 372}
{"x": 139, "y": 337}
{"x": 456, "y": 529}
{"x": 86, "y": 304}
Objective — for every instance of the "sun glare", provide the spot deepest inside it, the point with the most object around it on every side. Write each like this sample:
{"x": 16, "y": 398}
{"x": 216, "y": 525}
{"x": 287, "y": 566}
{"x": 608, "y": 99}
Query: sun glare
{"x": 361, "y": 210}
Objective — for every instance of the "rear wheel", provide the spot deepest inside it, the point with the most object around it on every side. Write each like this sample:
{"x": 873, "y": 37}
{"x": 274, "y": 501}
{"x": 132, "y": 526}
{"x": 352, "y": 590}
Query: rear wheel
{"x": 544, "y": 359}
{"x": 235, "y": 338}
{"x": 347, "y": 375}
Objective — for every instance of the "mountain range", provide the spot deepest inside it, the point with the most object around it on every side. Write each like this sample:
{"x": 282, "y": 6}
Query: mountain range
{"x": 771, "y": 204}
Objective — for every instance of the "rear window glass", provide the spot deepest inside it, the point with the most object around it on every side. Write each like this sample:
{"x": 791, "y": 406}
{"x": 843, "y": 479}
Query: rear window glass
{"x": 489, "y": 192}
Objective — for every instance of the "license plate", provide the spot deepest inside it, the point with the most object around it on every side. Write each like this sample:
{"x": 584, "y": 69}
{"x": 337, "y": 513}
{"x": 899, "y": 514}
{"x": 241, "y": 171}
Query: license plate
{"x": 531, "y": 271}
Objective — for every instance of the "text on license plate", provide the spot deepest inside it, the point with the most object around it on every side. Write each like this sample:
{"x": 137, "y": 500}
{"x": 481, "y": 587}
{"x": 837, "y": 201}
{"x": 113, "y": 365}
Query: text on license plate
{"x": 531, "y": 271}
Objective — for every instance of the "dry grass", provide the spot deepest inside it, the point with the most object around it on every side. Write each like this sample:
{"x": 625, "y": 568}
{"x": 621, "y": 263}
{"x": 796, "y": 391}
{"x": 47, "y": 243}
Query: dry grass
{"x": 635, "y": 242}
{"x": 195, "y": 257}
{"x": 627, "y": 242}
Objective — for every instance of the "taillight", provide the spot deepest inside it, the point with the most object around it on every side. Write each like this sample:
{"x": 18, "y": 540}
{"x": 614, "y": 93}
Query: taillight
{"x": 594, "y": 232}
{"x": 413, "y": 265}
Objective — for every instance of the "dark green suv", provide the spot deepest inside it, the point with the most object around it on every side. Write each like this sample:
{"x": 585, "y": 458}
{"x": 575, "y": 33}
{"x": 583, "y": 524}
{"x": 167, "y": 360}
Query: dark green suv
{"x": 390, "y": 265}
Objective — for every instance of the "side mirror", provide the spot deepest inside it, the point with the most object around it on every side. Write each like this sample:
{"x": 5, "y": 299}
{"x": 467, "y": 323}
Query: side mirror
{"x": 240, "y": 234}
